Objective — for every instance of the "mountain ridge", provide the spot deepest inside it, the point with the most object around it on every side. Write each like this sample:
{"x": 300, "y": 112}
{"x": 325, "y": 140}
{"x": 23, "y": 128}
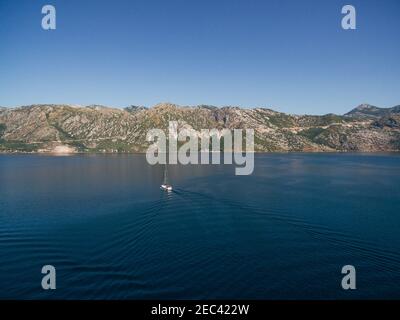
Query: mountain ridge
{"x": 369, "y": 111}
{"x": 98, "y": 128}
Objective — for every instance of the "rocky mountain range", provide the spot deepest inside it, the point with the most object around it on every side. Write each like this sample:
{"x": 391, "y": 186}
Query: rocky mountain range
{"x": 95, "y": 128}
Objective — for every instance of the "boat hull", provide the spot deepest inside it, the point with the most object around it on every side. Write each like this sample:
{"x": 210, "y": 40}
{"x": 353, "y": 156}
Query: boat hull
{"x": 166, "y": 187}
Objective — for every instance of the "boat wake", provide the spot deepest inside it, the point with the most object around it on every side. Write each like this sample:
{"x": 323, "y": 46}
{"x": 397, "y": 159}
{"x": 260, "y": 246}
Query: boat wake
{"x": 386, "y": 259}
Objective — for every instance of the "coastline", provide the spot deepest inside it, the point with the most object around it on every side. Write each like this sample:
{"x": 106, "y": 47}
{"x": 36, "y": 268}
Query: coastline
{"x": 143, "y": 153}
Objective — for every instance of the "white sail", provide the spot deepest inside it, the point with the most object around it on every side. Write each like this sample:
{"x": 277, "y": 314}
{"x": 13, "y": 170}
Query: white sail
{"x": 166, "y": 186}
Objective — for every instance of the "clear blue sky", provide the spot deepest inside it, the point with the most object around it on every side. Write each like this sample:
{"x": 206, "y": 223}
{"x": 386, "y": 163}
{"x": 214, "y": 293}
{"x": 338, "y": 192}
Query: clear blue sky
{"x": 290, "y": 55}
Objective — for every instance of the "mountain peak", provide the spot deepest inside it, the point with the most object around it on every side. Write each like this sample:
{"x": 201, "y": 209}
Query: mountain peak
{"x": 366, "y": 110}
{"x": 365, "y": 106}
{"x": 165, "y": 106}
{"x": 133, "y": 108}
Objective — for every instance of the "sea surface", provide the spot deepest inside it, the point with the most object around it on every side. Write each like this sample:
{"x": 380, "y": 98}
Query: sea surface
{"x": 284, "y": 232}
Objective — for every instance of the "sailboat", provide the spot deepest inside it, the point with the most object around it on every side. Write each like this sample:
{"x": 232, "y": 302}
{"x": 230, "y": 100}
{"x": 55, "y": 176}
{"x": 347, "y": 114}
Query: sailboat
{"x": 165, "y": 186}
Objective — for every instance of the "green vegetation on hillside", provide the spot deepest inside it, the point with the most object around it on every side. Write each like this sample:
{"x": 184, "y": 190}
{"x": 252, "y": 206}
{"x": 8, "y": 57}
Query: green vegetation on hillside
{"x": 311, "y": 133}
{"x": 281, "y": 120}
{"x": 2, "y": 130}
{"x": 18, "y": 146}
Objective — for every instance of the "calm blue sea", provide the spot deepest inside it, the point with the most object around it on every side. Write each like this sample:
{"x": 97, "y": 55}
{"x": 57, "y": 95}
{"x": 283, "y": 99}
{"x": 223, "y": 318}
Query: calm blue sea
{"x": 283, "y": 232}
